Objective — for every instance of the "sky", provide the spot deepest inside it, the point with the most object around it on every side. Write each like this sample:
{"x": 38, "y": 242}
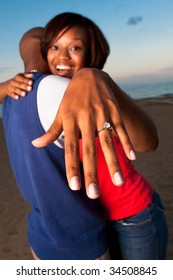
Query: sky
{"x": 140, "y": 34}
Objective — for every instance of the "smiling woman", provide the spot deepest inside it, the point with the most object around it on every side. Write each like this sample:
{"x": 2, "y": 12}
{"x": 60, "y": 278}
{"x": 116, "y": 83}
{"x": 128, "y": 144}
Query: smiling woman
{"x": 68, "y": 52}
{"x": 73, "y": 36}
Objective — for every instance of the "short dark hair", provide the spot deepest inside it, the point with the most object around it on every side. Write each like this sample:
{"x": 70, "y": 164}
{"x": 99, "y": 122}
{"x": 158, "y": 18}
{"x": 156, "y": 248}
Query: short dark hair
{"x": 98, "y": 47}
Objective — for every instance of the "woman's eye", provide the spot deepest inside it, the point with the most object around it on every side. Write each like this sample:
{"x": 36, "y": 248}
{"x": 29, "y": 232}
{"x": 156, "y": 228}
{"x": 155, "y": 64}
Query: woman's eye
{"x": 75, "y": 48}
{"x": 53, "y": 47}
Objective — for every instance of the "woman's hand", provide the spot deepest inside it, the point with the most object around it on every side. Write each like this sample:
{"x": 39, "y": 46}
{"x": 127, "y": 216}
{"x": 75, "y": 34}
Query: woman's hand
{"x": 87, "y": 104}
{"x": 17, "y": 86}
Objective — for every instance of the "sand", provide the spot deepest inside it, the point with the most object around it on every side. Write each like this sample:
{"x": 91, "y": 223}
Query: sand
{"x": 157, "y": 167}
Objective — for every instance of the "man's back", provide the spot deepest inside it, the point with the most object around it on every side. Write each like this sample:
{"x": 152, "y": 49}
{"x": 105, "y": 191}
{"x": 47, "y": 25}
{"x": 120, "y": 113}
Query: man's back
{"x": 62, "y": 224}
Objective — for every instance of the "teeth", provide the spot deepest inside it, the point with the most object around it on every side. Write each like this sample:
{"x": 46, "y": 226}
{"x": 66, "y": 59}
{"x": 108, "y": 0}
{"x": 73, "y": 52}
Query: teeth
{"x": 63, "y": 67}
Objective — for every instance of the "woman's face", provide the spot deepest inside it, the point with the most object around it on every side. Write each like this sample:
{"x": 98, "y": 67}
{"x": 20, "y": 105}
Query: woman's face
{"x": 68, "y": 52}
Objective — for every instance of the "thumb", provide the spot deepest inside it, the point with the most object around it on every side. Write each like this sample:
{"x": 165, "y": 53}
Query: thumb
{"x": 50, "y": 136}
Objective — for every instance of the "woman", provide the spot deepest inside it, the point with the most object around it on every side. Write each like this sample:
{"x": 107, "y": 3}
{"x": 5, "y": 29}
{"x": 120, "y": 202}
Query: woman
{"x": 66, "y": 55}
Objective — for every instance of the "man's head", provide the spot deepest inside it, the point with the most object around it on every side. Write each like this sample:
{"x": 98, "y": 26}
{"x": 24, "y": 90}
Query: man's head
{"x": 30, "y": 52}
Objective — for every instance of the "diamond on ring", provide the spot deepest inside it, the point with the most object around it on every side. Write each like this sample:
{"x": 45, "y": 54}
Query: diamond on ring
{"x": 106, "y": 125}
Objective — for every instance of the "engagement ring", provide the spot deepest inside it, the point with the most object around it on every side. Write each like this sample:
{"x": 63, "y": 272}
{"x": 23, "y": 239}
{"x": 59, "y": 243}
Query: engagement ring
{"x": 106, "y": 125}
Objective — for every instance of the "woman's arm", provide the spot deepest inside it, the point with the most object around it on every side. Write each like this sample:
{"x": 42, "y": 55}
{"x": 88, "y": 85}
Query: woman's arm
{"x": 82, "y": 115}
{"x": 140, "y": 127}
{"x": 16, "y": 87}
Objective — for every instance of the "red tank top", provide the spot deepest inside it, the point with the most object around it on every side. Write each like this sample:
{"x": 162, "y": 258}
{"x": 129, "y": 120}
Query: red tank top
{"x": 123, "y": 201}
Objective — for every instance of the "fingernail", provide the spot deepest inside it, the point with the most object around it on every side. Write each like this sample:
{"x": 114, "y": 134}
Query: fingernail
{"x": 118, "y": 179}
{"x": 30, "y": 82}
{"x": 23, "y": 93}
{"x": 34, "y": 142}
{"x": 132, "y": 155}
{"x": 29, "y": 88}
{"x": 93, "y": 191}
{"x": 75, "y": 183}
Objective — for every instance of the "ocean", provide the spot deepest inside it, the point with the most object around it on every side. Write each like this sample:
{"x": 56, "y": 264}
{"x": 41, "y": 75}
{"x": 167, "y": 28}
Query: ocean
{"x": 156, "y": 90}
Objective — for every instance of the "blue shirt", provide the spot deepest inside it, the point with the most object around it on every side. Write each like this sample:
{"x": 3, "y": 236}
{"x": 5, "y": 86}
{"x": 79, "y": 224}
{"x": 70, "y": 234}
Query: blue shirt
{"x": 63, "y": 224}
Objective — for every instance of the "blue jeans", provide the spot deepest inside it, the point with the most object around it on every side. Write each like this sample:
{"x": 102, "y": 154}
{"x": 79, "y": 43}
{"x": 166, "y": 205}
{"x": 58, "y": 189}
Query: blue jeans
{"x": 141, "y": 237}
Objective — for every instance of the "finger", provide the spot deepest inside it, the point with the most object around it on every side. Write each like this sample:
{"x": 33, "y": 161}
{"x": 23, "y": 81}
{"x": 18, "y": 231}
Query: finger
{"x": 13, "y": 95}
{"x": 51, "y": 135}
{"x": 107, "y": 144}
{"x": 90, "y": 167}
{"x": 89, "y": 158}
{"x": 72, "y": 155}
{"x": 108, "y": 148}
{"x": 125, "y": 141}
{"x": 24, "y": 79}
{"x": 16, "y": 92}
{"x": 119, "y": 128}
{"x": 45, "y": 139}
{"x": 17, "y": 88}
{"x": 28, "y": 75}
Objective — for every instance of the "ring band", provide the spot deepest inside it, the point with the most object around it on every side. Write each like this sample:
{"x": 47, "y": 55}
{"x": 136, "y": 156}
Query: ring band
{"x": 106, "y": 126}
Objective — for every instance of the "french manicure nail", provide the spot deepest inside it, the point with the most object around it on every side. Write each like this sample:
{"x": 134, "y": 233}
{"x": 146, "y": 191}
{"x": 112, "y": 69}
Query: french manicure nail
{"x": 23, "y": 93}
{"x": 132, "y": 155}
{"x": 75, "y": 183}
{"x": 118, "y": 178}
{"x": 30, "y": 82}
{"x": 93, "y": 191}
{"x": 29, "y": 88}
{"x": 34, "y": 142}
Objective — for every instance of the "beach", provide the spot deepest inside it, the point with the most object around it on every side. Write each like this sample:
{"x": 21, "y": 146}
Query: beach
{"x": 157, "y": 167}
